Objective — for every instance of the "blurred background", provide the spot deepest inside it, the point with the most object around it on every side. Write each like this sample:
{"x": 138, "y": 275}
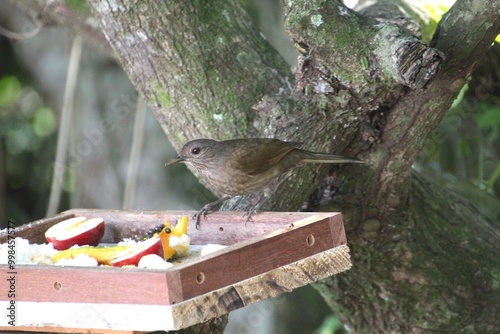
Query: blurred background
{"x": 117, "y": 150}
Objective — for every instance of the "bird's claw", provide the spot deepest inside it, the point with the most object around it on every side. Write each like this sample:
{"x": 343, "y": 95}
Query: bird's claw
{"x": 249, "y": 214}
{"x": 251, "y": 211}
{"x": 203, "y": 212}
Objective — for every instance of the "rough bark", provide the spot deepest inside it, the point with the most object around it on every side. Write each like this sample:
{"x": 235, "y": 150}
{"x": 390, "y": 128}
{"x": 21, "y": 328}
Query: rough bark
{"x": 424, "y": 259}
{"x": 434, "y": 270}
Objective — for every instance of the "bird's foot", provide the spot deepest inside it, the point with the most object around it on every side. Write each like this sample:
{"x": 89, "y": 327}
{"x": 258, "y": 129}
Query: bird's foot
{"x": 253, "y": 208}
{"x": 203, "y": 212}
{"x": 249, "y": 214}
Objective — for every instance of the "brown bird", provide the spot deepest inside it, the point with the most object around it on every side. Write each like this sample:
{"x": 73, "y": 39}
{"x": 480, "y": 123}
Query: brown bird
{"x": 244, "y": 166}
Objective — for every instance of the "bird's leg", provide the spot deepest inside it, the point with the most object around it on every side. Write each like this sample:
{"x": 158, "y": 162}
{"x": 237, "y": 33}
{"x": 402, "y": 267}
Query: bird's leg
{"x": 253, "y": 208}
{"x": 204, "y": 210}
{"x": 249, "y": 213}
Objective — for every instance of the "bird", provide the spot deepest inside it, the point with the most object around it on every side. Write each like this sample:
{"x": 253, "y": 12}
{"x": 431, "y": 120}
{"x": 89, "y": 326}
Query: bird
{"x": 244, "y": 166}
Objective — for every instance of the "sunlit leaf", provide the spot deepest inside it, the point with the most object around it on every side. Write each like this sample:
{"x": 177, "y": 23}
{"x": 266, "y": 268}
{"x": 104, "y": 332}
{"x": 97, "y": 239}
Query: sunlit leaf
{"x": 460, "y": 96}
{"x": 43, "y": 122}
{"x": 10, "y": 88}
{"x": 489, "y": 118}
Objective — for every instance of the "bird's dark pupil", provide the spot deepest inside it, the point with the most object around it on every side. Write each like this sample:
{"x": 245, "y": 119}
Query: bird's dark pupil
{"x": 195, "y": 150}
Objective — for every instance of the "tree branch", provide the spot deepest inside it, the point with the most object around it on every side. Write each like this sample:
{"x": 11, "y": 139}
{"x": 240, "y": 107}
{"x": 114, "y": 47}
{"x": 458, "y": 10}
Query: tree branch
{"x": 416, "y": 115}
{"x": 441, "y": 255}
{"x": 209, "y": 61}
{"x": 361, "y": 53}
{"x": 55, "y": 13}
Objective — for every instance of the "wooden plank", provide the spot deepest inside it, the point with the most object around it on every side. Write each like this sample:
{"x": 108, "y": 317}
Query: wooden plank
{"x": 264, "y": 286}
{"x": 35, "y": 231}
{"x": 253, "y": 257}
{"x": 92, "y": 317}
{"x": 225, "y": 267}
{"x": 88, "y": 285}
{"x": 55, "y": 330}
{"x": 224, "y": 228}
{"x": 122, "y": 317}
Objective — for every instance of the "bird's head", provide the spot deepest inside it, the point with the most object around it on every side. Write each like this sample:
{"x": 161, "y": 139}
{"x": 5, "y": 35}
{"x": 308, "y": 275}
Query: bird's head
{"x": 198, "y": 153}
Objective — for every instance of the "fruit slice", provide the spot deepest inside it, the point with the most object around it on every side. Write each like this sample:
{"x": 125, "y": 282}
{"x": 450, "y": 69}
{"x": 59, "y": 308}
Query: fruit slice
{"x": 168, "y": 232}
{"x": 76, "y": 231}
{"x": 103, "y": 255}
{"x": 132, "y": 255}
{"x": 181, "y": 226}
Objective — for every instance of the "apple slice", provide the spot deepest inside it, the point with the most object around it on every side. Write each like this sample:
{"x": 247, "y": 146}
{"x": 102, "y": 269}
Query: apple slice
{"x": 132, "y": 255}
{"x": 76, "y": 231}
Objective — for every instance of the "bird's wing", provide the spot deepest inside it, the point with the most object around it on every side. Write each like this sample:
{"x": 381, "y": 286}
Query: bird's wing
{"x": 263, "y": 155}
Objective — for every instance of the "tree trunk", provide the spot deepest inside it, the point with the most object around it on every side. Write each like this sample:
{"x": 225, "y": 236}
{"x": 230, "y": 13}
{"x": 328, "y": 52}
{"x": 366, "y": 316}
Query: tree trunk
{"x": 424, "y": 259}
{"x": 431, "y": 271}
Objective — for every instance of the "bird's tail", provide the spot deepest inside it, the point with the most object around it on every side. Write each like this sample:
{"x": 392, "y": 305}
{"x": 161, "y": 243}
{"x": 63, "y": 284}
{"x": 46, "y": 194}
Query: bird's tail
{"x": 313, "y": 157}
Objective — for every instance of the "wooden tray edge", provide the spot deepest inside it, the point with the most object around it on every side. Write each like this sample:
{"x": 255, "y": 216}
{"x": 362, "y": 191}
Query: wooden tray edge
{"x": 278, "y": 281}
{"x": 224, "y": 300}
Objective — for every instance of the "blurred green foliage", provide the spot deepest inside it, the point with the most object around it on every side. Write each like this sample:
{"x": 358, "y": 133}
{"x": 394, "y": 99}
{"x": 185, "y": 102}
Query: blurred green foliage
{"x": 27, "y": 139}
{"x": 488, "y": 123}
{"x": 10, "y": 89}
{"x": 79, "y": 6}
{"x": 434, "y": 10}
{"x": 467, "y": 142}
{"x": 488, "y": 118}
{"x": 331, "y": 325}
{"x": 44, "y": 122}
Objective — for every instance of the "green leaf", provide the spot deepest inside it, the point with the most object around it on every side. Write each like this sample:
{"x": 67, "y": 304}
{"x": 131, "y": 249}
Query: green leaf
{"x": 489, "y": 118}
{"x": 10, "y": 88}
{"x": 44, "y": 122}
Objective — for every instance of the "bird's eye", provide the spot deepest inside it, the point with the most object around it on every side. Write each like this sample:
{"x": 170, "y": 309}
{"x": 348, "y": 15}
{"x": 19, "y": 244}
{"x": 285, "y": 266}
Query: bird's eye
{"x": 195, "y": 150}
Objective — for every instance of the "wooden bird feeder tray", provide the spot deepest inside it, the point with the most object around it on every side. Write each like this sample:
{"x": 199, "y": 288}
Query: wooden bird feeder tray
{"x": 274, "y": 254}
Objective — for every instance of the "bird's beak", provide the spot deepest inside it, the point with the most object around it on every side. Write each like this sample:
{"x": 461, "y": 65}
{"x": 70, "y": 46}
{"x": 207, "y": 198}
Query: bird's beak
{"x": 171, "y": 162}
